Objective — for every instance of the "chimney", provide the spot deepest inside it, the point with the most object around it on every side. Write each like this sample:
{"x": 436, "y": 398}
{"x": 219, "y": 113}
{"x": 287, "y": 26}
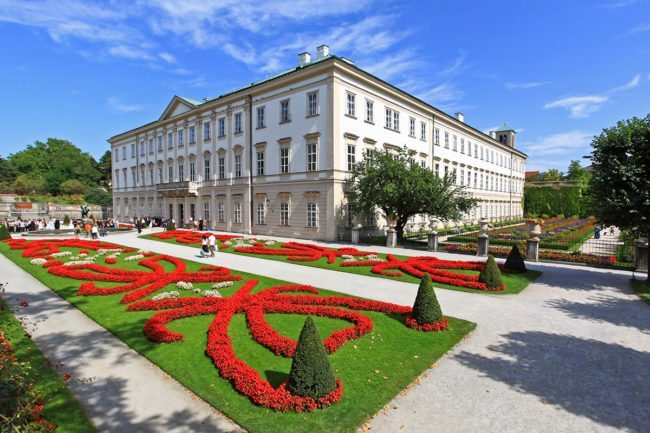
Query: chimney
{"x": 493, "y": 134}
{"x": 322, "y": 51}
{"x": 304, "y": 58}
{"x": 460, "y": 117}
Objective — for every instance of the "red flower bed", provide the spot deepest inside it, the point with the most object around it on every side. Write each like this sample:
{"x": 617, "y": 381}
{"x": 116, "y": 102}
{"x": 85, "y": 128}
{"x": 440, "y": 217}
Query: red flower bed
{"x": 45, "y": 247}
{"x": 287, "y": 299}
{"x": 190, "y": 237}
{"x": 296, "y": 251}
{"x": 110, "y": 260}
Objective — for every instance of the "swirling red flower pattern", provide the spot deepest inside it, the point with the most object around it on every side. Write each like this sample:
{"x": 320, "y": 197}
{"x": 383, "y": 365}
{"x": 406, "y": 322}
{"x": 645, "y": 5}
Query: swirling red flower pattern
{"x": 287, "y": 299}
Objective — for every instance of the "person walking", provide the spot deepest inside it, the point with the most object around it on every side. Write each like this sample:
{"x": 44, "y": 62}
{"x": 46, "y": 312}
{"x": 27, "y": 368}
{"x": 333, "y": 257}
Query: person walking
{"x": 212, "y": 244}
{"x": 597, "y": 232}
{"x": 77, "y": 230}
{"x": 138, "y": 225}
{"x": 94, "y": 232}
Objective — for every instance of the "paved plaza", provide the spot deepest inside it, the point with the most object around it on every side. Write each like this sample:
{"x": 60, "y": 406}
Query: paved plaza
{"x": 568, "y": 354}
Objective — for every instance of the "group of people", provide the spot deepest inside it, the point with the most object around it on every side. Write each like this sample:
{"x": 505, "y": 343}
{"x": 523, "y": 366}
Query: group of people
{"x": 208, "y": 245}
{"x": 21, "y": 226}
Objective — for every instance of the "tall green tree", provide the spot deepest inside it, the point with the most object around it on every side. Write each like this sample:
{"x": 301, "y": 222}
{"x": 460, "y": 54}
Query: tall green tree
{"x": 401, "y": 188}
{"x": 56, "y": 161}
{"x": 578, "y": 172}
{"x": 8, "y": 173}
{"x": 104, "y": 167}
{"x": 552, "y": 175}
{"x": 619, "y": 189}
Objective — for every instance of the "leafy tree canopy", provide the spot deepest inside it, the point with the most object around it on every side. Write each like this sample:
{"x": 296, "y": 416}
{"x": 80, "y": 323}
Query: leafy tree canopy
{"x": 104, "y": 167}
{"x": 99, "y": 196}
{"x": 577, "y": 172}
{"x": 56, "y": 161}
{"x": 620, "y": 171}
{"x": 399, "y": 187}
{"x": 8, "y": 173}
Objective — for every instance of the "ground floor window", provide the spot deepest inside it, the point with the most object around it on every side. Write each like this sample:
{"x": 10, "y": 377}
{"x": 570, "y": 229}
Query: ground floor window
{"x": 284, "y": 214}
{"x": 237, "y": 213}
{"x": 221, "y": 212}
{"x": 312, "y": 214}
{"x": 206, "y": 211}
{"x": 261, "y": 212}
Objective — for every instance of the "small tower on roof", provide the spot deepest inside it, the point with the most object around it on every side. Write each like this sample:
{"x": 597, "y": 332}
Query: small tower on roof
{"x": 505, "y": 135}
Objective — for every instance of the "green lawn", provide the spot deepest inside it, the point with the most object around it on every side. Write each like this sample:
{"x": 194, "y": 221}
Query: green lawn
{"x": 642, "y": 288}
{"x": 515, "y": 283}
{"x": 373, "y": 368}
{"x": 61, "y": 408}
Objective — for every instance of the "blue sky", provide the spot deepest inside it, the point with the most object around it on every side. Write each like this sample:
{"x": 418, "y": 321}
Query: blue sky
{"x": 557, "y": 71}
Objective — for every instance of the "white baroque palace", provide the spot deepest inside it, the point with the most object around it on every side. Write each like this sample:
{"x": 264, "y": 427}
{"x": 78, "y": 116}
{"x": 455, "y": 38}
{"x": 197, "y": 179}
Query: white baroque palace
{"x": 273, "y": 157}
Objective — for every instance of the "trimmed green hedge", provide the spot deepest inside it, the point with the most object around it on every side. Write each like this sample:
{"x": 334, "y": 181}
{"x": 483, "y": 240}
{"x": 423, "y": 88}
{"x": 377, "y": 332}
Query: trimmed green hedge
{"x": 554, "y": 200}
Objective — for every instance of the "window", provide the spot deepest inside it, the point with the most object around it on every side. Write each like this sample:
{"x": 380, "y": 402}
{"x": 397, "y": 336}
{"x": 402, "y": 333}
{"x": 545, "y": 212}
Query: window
{"x": 475, "y": 180}
{"x": 192, "y": 171}
{"x": 237, "y": 213}
{"x": 160, "y": 143}
{"x": 284, "y": 213}
{"x": 475, "y": 150}
{"x": 469, "y": 148}
{"x": 411, "y": 127}
{"x": 170, "y": 173}
{"x": 260, "y": 163}
{"x": 237, "y": 165}
{"x": 141, "y": 148}
{"x": 160, "y": 174}
{"x": 261, "y": 212}
{"x": 222, "y": 167}
{"x": 437, "y": 169}
{"x": 423, "y": 131}
{"x": 206, "y": 131}
{"x": 392, "y": 119}
{"x": 206, "y": 169}
{"x": 423, "y": 163}
{"x": 192, "y": 135}
{"x": 455, "y": 148}
{"x": 312, "y": 214}
{"x": 284, "y": 160}
{"x": 351, "y": 104}
{"x": 116, "y": 152}
{"x": 133, "y": 150}
{"x": 436, "y": 136}
{"x": 170, "y": 140}
{"x": 261, "y": 120}
{"x": 151, "y": 145}
{"x": 462, "y": 145}
{"x": 481, "y": 185}
{"x": 446, "y": 170}
{"x": 206, "y": 210}
{"x": 221, "y": 126}
{"x": 142, "y": 176}
{"x": 133, "y": 177}
{"x": 221, "y": 212}
{"x": 446, "y": 140}
{"x": 124, "y": 153}
{"x": 462, "y": 177}
{"x": 352, "y": 152}
{"x": 349, "y": 215}
{"x": 181, "y": 175}
{"x": 150, "y": 176}
{"x": 181, "y": 135}
{"x": 237, "y": 123}
{"x": 369, "y": 111}
{"x": 311, "y": 157}
{"x": 285, "y": 114}
{"x": 481, "y": 152}
{"x": 312, "y": 103}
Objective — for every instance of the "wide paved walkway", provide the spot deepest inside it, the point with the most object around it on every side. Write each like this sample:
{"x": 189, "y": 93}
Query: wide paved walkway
{"x": 569, "y": 354}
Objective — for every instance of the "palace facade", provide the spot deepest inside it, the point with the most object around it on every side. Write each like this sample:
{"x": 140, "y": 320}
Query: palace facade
{"x": 272, "y": 158}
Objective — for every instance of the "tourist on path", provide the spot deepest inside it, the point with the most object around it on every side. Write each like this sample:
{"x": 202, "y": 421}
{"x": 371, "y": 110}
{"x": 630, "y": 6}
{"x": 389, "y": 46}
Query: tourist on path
{"x": 212, "y": 243}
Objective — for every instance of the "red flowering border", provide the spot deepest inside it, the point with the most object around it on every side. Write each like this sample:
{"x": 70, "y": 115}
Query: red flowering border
{"x": 287, "y": 299}
{"x": 392, "y": 267}
{"x": 190, "y": 237}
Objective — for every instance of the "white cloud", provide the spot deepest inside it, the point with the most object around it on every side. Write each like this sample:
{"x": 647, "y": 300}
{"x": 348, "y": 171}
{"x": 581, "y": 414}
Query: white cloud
{"x": 456, "y": 66}
{"x": 579, "y": 106}
{"x": 639, "y": 29}
{"x": 634, "y": 82}
{"x": 525, "y": 85}
{"x": 116, "y": 104}
{"x": 559, "y": 144}
{"x": 168, "y": 57}
{"x": 128, "y": 52}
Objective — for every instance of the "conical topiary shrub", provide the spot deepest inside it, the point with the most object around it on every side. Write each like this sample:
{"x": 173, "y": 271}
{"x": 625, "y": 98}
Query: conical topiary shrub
{"x": 426, "y": 309}
{"x": 66, "y": 220}
{"x": 490, "y": 275}
{"x": 515, "y": 262}
{"x": 171, "y": 225}
{"x": 4, "y": 232}
{"x": 311, "y": 374}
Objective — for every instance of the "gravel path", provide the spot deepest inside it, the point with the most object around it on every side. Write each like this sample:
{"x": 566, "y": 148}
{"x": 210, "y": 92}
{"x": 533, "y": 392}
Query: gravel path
{"x": 568, "y": 354}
